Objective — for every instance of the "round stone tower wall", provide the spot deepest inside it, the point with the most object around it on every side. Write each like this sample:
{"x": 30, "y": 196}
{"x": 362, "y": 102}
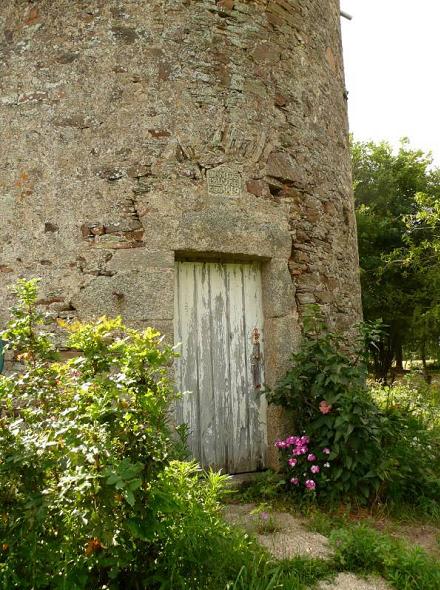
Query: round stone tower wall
{"x": 138, "y": 132}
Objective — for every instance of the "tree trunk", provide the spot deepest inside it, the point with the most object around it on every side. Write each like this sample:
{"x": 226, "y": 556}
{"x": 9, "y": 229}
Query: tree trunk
{"x": 426, "y": 376}
{"x": 382, "y": 358}
{"x": 399, "y": 358}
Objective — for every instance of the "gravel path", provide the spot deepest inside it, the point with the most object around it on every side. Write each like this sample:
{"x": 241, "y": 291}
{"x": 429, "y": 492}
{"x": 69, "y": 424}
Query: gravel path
{"x": 347, "y": 581}
{"x": 290, "y": 537}
{"x": 285, "y": 536}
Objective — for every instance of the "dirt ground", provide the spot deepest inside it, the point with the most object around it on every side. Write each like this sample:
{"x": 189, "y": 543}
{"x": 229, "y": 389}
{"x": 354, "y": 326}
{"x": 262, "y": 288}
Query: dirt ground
{"x": 286, "y": 536}
{"x": 425, "y": 536}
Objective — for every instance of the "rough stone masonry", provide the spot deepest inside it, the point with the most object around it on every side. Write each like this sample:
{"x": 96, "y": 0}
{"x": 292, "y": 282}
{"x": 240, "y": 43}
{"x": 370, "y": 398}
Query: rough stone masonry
{"x": 136, "y": 132}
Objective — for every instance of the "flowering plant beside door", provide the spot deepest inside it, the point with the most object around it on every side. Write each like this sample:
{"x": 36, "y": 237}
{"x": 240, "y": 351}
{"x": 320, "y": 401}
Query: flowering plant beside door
{"x": 306, "y": 465}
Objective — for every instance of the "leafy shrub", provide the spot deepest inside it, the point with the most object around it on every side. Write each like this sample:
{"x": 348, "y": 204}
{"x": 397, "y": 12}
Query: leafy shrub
{"x": 411, "y": 395}
{"x": 412, "y": 443}
{"x": 291, "y": 574}
{"x": 266, "y": 485}
{"x": 81, "y": 443}
{"x": 378, "y": 451}
{"x": 91, "y": 495}
{"x": 320, "y": 375}
{"x": 325, "y": 389}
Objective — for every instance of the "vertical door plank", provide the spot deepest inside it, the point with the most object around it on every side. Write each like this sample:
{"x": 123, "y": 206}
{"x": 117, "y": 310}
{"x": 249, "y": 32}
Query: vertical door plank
{"x": 220, "y": 363}
{"x": 187, "y": 409}
{"x": 252, "y": 293}
{"x": 206, "y": 391}
{"x": 238, "y": 369}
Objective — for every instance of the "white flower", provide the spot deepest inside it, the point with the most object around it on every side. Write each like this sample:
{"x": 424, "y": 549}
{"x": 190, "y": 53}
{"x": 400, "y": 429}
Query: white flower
{"x": 327, "y": 464}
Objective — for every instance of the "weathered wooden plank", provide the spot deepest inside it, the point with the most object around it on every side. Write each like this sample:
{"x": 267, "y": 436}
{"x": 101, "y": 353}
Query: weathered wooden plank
{"x": 207, "y": 429}
{"x": 239, "y": 448}
{"x": 187, "y": 409}
{"x": 220, "y": 362}
{"x": 252, "y": 294}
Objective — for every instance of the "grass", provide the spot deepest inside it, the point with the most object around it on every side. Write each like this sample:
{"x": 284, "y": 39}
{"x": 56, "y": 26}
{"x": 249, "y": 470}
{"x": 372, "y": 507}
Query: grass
{"x": 358, "y": 546}
{"x": 293, "y": 574}
{"x": 363, "y": 550}
{"x": 359, "y": 549}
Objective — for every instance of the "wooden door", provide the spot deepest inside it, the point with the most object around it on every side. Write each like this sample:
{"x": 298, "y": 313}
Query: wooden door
{"x": 218, "y": 317}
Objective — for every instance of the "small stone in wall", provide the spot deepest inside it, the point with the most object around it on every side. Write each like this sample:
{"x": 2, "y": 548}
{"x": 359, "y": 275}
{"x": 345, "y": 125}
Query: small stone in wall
{"x": 124, "y": 34}
{"x": 139, "y": 170}
{"x": 280, "y": 100}
{"x": 259, "y": 188}
{"x": 67, "y": 57}
{"x": 77, "y": 122}
{"x": 110, "y": 174}
{"x": 226, "y": 5}
{"x": 159, "y": 133}
{"x": 50, "y": 227}
{"x": 281, "y": 165}
{"x": 97, "y": 230}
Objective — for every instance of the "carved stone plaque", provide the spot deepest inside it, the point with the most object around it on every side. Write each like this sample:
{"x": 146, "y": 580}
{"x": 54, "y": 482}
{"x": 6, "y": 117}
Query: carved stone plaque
{"x": 224, "y": 182}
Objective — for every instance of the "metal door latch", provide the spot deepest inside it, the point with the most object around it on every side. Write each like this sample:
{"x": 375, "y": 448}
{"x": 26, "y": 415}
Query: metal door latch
{"x": 256, "y": 359}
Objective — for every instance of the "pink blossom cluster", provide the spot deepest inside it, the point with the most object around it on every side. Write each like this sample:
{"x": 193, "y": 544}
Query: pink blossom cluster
{"x": 299, "y": 442}
{"x": 297, "y": 448}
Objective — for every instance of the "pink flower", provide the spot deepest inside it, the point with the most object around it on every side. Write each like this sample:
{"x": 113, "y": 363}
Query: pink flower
{"x": 311, "y": 457}
{"x": 325, "y": 407}
{"x": 280, "y": 444}
{"x": 310, "y": 484}
{"x": 292, "y": 440}
{"x": 315, "y": 469}
{"x": 300, "y": 451}
{"x": 305, "y": 440}
{"x": 326, "y": 451}
{"x": 292, "y": 462}
{"x": 294, "y": 481}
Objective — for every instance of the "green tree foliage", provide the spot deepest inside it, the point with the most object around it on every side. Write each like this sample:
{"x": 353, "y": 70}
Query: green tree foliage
{"x": 423, "y": 257}
{"x": 397, "y": 197}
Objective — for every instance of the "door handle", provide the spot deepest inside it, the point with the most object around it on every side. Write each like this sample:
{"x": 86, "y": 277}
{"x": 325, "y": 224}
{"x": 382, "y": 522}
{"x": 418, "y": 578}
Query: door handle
{"x": 256, "y": 359}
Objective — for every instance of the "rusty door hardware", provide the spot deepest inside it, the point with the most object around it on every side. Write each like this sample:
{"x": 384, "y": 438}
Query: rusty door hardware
{"x": 256, "y": 359}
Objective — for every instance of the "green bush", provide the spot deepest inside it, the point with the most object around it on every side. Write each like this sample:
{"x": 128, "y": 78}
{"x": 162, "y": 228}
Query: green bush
{"x": 412, "y": 443}
{"x": 196, "y": 548}
{"x": 91, "y": 496}
{"x": 82, "y": 444}
{"x": 325, "y": 389}
{"x": 291, "y": 574}
{"x": 379, "y": 451}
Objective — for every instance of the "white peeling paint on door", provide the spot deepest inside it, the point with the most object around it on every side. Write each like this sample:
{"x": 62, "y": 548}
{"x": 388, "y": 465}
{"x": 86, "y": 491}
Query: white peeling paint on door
{"x": 217, "y": 308}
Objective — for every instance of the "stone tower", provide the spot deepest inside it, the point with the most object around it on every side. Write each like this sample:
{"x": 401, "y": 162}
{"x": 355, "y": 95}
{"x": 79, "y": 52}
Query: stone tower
{"x": 137, "y": 134}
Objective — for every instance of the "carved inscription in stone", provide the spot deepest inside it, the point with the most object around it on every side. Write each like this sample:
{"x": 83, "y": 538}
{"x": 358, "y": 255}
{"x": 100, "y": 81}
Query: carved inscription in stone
{"x": 224, "y": 182}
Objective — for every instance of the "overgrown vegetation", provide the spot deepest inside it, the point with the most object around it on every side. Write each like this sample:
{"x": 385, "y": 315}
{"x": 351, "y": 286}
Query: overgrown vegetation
{"x": 384, "y": 444}
{"x": 364, "y": 550}
{"x": 92, "y": 494}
